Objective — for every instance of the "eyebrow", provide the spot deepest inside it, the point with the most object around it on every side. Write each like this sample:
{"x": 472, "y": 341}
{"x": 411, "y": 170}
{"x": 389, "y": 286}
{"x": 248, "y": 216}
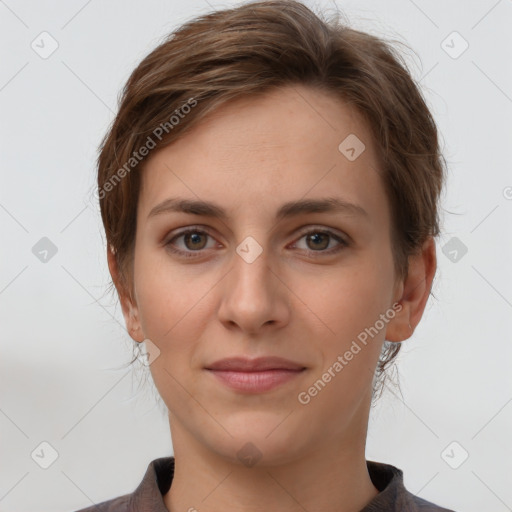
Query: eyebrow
{"x": 287, "y": 210}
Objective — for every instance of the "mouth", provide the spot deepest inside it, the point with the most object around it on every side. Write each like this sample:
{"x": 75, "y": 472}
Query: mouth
{"x": 256, "y": 375}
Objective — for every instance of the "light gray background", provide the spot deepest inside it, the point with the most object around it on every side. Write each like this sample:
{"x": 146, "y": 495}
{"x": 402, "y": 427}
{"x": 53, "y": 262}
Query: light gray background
{"x": 63, "y": 345}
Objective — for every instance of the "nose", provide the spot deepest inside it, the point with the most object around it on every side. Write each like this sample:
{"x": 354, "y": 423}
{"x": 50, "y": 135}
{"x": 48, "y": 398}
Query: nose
{"x": 254, "y": 295}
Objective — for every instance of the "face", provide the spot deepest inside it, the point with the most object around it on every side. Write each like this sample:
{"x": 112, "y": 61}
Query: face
{"x": 302, "y": 286}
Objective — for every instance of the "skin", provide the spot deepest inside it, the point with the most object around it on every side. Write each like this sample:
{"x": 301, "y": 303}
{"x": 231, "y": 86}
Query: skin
{"x": 249, "y": 157}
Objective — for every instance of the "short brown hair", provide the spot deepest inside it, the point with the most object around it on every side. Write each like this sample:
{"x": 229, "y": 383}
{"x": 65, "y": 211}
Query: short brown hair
{"x": 251, "y": 49}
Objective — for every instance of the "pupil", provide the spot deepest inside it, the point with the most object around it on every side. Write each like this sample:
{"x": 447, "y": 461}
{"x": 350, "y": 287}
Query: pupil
{"x": 195, "y": 237}
{"x": 316, "y": 235}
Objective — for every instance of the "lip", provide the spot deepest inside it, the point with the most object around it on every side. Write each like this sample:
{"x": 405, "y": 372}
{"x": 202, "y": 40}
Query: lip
{"x": 255, "y": 375}
{"x": 243, "y": 364}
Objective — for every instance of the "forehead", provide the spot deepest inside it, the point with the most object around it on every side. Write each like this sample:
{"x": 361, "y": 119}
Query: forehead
{"x": 286, "y": 144}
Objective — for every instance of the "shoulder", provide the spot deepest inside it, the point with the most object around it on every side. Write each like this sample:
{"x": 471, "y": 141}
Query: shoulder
{"x": 426, "y": 506}
{"x": 119, "y": 504}
{"x": 393, "y": 496}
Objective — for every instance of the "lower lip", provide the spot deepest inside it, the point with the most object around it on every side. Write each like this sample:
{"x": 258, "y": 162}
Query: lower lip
{"x": 255, "y": 382}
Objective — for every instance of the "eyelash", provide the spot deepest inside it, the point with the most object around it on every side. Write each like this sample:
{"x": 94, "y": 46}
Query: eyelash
{"x": 190, "y": 254}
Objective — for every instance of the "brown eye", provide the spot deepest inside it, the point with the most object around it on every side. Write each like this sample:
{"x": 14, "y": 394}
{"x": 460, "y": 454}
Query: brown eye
{"x": 191, "y": 243}
{"x": 318, "y": 240}
{"x": 193, "y": 240}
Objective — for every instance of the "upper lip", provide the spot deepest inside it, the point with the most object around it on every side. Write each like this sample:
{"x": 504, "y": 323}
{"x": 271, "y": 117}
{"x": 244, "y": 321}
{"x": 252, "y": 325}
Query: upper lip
{"x": 254, "y": 365}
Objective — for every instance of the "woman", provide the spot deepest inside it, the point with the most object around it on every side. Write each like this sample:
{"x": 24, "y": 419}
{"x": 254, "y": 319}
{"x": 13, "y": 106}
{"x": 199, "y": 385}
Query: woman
{"x": 269, "y": 191}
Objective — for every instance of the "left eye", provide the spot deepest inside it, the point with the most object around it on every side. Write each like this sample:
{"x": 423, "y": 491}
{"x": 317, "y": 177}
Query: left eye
{"x": 320, "y": 240}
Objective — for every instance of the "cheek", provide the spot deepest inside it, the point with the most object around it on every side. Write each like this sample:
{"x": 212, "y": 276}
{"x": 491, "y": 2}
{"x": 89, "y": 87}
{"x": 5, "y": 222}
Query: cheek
{"x": 349, "y": 305}
{"x": 168, "y": 296}
{"x": 175, "y": 307}
{"x": 172, "y": 316}
{"x": 350, "y": 300}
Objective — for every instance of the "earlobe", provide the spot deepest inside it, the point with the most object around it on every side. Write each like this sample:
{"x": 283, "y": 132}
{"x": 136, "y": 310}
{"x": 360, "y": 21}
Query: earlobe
{"x": 133, "y": 324}
{"x": 129, "y": 308}
{"x": 400, "y": 329}
{"x": 415, "y": 291}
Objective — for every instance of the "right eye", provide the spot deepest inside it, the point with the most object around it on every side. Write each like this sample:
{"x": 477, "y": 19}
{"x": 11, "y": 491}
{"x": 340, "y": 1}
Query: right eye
{"x": 193, "y": 240}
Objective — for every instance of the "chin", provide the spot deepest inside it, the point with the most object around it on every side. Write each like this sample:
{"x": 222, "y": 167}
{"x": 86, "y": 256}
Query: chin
{"x": 259, "y": 442}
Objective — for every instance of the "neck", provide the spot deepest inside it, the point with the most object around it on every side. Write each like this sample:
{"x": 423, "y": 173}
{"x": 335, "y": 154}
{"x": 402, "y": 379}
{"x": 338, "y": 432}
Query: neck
{"x": 331, "y": 476}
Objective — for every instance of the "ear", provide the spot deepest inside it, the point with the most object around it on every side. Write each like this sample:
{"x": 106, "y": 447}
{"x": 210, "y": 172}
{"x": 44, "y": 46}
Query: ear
{"x": 414, "y": 292}
{"x": 128, "y": 304}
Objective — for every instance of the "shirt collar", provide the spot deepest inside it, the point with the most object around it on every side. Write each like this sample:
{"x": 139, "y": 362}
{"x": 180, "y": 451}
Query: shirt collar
{"x": 388, "y": 480}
